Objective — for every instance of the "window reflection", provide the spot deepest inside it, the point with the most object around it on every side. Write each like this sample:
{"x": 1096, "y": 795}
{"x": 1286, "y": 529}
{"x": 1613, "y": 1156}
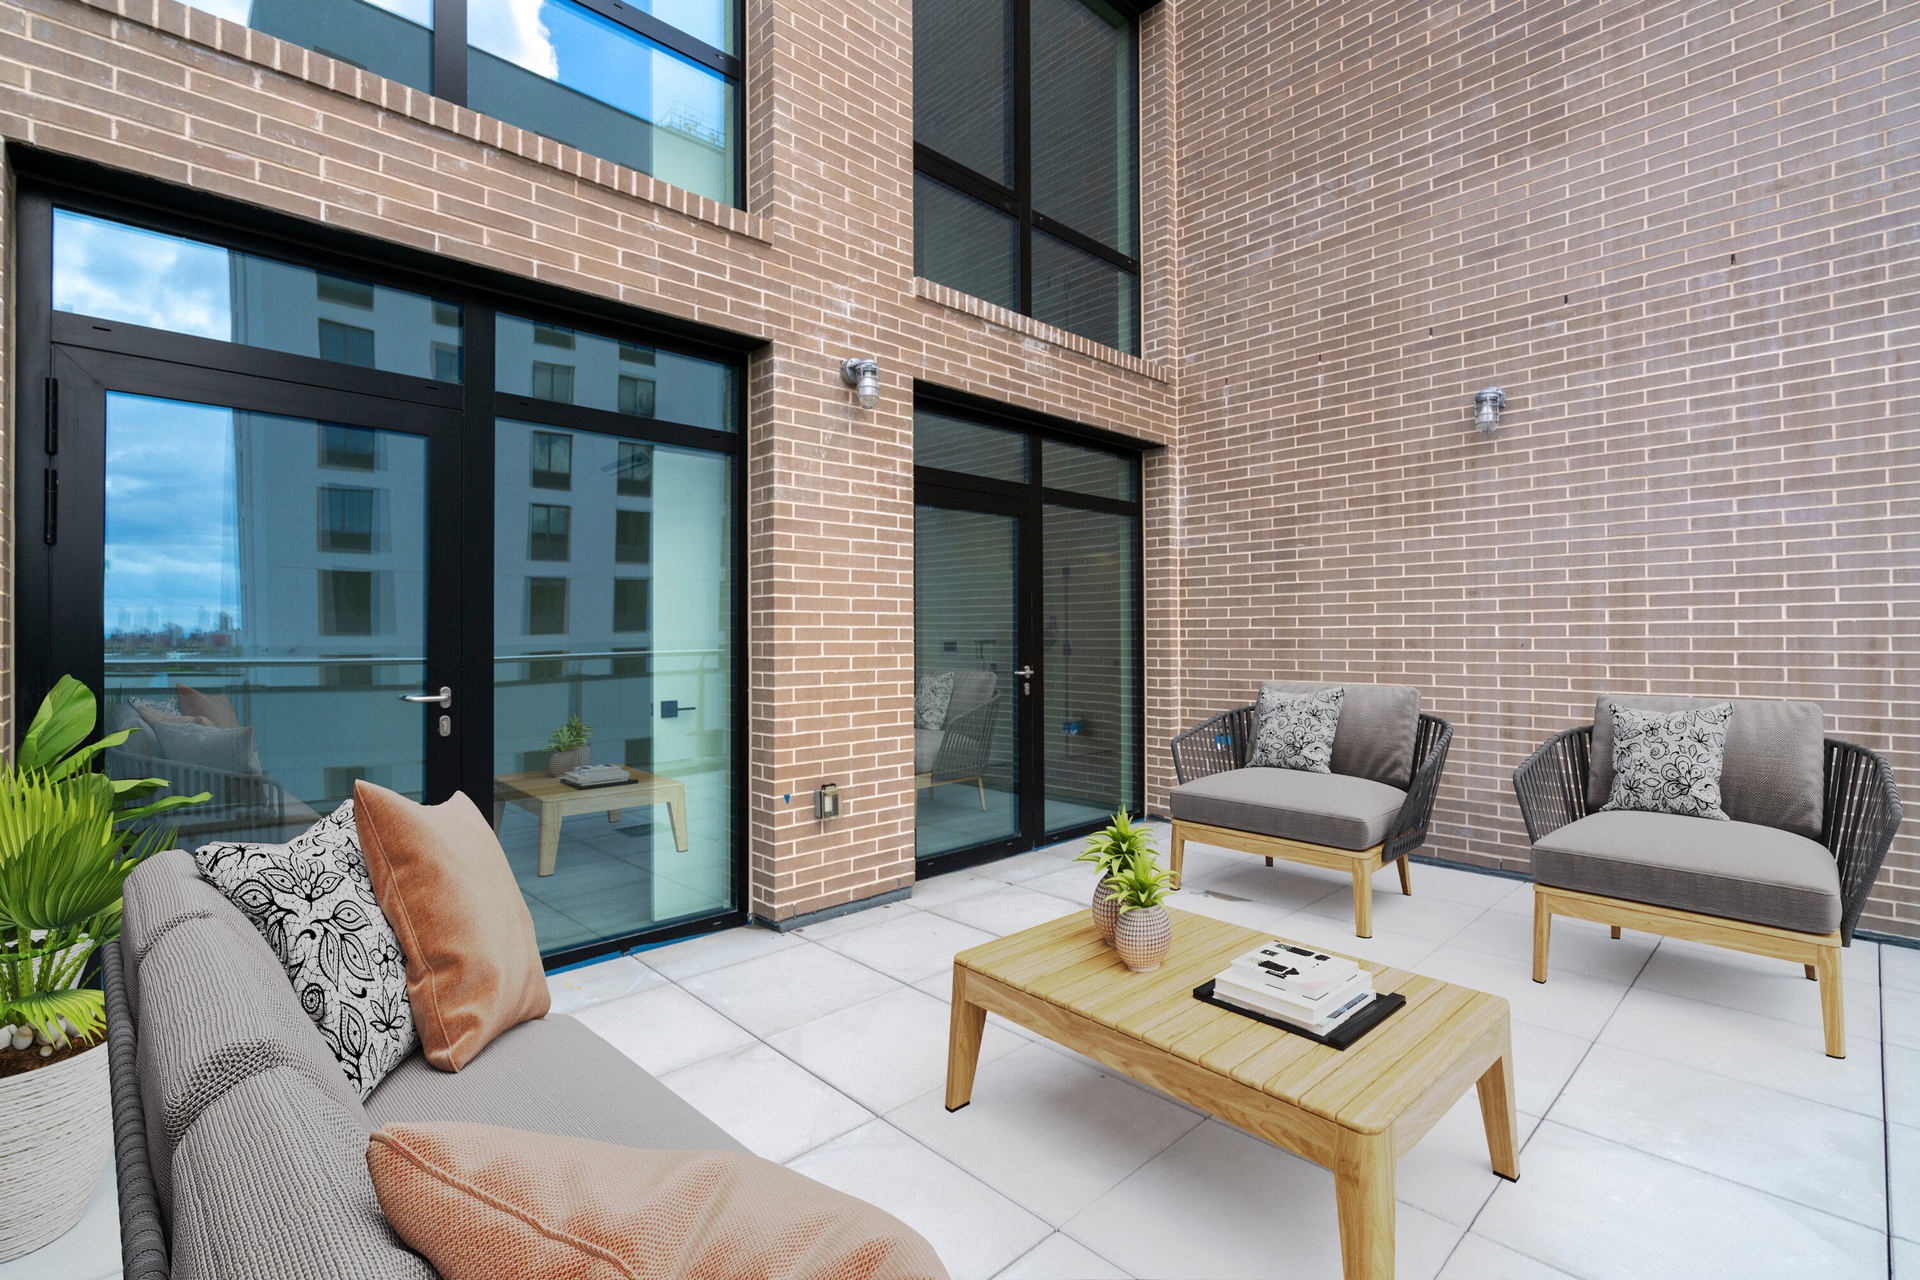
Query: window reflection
{"x": 391, "y": 38}
{"x": 600, "y": 373}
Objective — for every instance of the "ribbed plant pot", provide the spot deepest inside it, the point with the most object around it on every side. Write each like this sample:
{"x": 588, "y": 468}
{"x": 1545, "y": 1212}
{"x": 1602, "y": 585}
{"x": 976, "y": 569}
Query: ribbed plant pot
{"x": 1105, "y": 912}
{"x": 561, "y": 761}
{"x": 1142, "y": 937}
{"x": 56, "y": 1128}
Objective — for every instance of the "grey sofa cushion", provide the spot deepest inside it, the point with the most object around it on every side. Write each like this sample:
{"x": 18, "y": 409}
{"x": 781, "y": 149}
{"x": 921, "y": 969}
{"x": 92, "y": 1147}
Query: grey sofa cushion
{"x": 1378, "y": 726}
{"x": 1317, "y": 808}
{"x": 272, "y": 1181}
{"x": 552, "y": 1075}
{"x": 926, "y": 748}
{"x": 214, "y": 1011}
{"x": 1775, "y": 770}
{"x": 168, "y": 888}
{"x": 1738, "y": 870}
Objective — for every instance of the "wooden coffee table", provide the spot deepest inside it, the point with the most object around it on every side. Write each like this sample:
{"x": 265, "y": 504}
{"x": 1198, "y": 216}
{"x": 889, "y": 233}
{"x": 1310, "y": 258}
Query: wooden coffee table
{"x": 1354, "y": 1112}
{"x": 545, "y": 795}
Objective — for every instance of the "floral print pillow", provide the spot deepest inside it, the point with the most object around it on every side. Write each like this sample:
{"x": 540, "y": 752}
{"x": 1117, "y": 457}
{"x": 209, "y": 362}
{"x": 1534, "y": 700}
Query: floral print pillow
{"x": 1670, "y": 761}
{"x": 313, "y": 902}
{"x": 931, "y": 700}
{"x": 1295, "y": 730}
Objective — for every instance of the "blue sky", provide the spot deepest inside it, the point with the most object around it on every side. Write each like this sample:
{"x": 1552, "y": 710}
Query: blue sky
{"x": 172, "y": 528}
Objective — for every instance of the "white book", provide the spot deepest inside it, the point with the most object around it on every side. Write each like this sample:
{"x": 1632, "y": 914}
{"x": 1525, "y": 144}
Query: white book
{"x": 1307, "y": 1008}
{"x": 1256, "y": 1002}
{"x": 1296, "y": 968}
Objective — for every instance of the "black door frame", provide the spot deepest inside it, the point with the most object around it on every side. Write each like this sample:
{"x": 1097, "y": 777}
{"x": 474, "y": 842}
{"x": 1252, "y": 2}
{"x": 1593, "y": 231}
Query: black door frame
{"x": 1028, "y": 502}
{"x": 58, "y": 470}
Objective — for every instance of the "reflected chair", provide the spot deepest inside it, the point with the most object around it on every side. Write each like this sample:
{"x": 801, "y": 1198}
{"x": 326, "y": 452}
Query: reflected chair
{"x": 957, "y": 751}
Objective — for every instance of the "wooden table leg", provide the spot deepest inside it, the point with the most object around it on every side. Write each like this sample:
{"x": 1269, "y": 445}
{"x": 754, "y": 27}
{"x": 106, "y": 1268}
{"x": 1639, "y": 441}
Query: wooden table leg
{"x": 499, "y": 812}
{"x": 963, "y": 1043}
{"x": 549, "y": 838}
{"x": 1176, "y": 853}
{"x": 1497, "y": 1111}
{"x": 677, "y": 810}
{"x": 1363, "y": 897}
{"x": 1363, "y": 1189}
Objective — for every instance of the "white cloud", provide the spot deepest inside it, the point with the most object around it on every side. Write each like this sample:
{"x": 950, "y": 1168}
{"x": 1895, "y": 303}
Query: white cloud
{"x": 512, "y": 29}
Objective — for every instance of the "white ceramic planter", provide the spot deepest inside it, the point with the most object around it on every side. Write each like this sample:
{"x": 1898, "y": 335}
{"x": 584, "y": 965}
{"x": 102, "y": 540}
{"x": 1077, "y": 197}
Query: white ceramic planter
{"x": 56, "y": 1128}
{"x": 1142, "y": 937}
{"x": 1105, "y": 912}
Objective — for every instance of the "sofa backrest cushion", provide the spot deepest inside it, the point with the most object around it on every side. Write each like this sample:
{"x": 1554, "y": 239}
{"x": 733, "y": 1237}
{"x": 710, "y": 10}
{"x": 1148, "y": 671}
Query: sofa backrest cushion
{"x": 162, "y": 891}
{"x": 1379, "y": 724}
{"x": 1775, "y": 770}
{"x": 272, "y": 1181}
{"x": 216, "y": 1010}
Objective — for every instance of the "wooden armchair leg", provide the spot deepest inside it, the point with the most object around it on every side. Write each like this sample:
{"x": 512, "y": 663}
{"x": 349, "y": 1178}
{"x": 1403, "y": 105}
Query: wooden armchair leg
{"x": 1363, "y": 898}
{"x": 1542, "y": 933}
{"x": 1833, "y": 1001}
{"x": 1406, "y": 877}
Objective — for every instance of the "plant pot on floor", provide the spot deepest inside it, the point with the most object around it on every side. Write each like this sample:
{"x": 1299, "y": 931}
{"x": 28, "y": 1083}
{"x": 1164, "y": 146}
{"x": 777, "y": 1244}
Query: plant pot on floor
{"x": 56, "y": 1128}
{"x": 1105, "y": 910}
{"x": 1142, "y": 937}
{"x": 561, "y": 761}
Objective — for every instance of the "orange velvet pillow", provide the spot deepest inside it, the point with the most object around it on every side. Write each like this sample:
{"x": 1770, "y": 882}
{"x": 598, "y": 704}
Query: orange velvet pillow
{"x": 479, "y": 1202}
{"x": 473, "y": 967}
{"x": 214, "y": 708}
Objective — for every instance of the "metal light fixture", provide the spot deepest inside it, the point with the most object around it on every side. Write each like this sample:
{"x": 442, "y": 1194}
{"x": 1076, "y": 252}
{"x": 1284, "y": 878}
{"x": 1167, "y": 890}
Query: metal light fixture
{"x": 1486, "y": 409}
{"x": 864, "y": 377}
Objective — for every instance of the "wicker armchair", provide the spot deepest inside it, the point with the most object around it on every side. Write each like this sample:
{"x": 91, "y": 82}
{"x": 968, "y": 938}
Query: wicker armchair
{"x": 962, "y": 754}
{"x": 1224, "y": 742}
{"x": 1860, "y": 811}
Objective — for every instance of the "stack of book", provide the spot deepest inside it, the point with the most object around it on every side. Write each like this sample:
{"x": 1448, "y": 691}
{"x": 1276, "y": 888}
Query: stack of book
{"x": 1308, "y": 989}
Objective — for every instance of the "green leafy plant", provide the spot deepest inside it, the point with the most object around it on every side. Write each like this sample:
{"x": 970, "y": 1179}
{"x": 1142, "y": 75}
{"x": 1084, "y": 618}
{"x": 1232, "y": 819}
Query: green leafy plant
{"x": 1122, "y": 841}
{"x": 1139, "y": 882}
{"x": 69, "y": 837}
{"x": 571, "y": 736}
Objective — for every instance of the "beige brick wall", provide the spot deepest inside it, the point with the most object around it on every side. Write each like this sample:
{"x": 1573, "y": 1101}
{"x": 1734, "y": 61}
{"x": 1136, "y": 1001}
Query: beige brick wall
{"x": 1682, "y": 236}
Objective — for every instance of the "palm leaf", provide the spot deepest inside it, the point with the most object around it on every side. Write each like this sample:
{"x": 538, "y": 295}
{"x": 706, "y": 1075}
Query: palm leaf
{"x": 63, "y": 722}
{"x": 85, "y": 1010}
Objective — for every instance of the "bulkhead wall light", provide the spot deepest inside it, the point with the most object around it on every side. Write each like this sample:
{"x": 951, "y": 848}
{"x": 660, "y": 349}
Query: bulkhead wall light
{"x": 864, "y": 377}
{"x": 1486, "y": 410}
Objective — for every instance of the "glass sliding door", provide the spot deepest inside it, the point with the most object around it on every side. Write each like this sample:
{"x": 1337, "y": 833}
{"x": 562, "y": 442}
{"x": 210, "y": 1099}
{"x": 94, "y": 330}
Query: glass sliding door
{"x": 1027, "y": 604}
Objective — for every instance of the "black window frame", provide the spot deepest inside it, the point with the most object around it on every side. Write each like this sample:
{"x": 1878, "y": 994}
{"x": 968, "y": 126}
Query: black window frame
{"x": 44, "y": 180}
{"x": 1017, "y": 200}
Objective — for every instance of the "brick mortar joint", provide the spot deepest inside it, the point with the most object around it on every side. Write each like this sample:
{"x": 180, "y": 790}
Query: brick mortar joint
{"x": 965, "y": 303}
{"x": 279, "y": 57}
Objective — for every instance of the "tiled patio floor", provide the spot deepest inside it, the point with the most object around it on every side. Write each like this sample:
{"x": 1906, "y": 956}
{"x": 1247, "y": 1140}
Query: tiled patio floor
{"x": 1680, "y": 1117}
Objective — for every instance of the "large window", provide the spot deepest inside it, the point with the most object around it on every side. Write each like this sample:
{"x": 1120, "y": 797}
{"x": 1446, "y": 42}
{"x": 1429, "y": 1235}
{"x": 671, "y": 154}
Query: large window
{"x": 652, "y": 84}
{"x": 1026, "y": 146}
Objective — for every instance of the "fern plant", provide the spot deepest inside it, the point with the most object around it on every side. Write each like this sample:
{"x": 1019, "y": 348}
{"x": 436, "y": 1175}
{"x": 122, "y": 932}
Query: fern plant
{"x": 69, "y": 837}
{"x": 1139, "y": 883}
{"x": 1120, "y": 843}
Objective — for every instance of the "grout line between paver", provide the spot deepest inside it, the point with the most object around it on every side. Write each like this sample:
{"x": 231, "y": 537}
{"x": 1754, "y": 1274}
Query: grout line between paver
{"x": 1886, "y": 1114}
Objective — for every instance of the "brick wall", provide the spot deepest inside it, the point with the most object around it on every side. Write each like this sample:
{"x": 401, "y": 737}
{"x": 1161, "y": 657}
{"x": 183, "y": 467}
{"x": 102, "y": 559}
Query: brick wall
{"x": 1682, "y": 236}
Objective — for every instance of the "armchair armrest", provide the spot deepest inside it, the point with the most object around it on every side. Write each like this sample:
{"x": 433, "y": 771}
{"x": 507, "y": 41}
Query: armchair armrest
{"x": 1430, "y": 746}
{"x": 1861, "y": 812}
{"x": 969, "y": 737}
{"x": 1551, "y": 784}
{"x": 1213, "y": 746}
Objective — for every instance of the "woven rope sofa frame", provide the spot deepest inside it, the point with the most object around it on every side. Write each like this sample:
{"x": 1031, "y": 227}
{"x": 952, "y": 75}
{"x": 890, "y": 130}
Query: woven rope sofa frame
{"x": 143, "y": 1241}
{"x": 1860, "y": 811}
{"x": 1223, "y": 743}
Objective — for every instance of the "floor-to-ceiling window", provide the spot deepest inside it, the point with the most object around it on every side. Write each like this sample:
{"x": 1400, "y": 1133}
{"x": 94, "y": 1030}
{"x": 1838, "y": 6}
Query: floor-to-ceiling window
{"x": 303, "y": 521}
{"x": 1027, "y": 630}
{"x": 1026, "y": 158}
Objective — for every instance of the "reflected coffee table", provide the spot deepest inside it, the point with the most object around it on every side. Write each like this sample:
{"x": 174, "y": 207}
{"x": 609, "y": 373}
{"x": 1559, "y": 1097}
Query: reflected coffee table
{"x": 553, "y": 800}
{"x": 1355, "y": 1111}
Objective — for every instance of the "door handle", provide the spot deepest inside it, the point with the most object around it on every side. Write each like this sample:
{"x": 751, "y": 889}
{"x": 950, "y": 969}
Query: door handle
{"x": 442, "y": 699}
{"x": 1025, "y": 673}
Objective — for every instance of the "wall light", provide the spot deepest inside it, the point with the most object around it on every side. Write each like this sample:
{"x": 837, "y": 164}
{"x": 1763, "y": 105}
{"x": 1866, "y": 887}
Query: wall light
{"x": 1486, "y": 409}
{"x": 864, "y": 377}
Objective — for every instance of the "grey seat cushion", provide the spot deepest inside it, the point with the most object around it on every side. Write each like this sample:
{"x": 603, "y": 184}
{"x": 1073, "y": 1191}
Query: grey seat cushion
{"x": 272, "y": 1181}
{"x": 1737, "y": 870}
{"x": 926, "y": 748}
{"x": 1317, "y": 808}
{"x": 1775, "y": 770}
{"x": 552, "y": 1075}
{"x": 1378, "y": 726}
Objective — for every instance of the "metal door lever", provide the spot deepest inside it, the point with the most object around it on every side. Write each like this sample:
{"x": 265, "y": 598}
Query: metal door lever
{"x": 1025, "y": 673}
{"x": 442, "y": 699}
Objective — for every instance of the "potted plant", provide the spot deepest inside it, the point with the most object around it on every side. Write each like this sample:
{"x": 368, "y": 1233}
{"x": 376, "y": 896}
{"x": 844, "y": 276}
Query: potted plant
{"x": 1109, "y": 850}
{"x": 69, "y": 836}
{"x": 1144, "y": 931}
{"x": 569, "y": 746}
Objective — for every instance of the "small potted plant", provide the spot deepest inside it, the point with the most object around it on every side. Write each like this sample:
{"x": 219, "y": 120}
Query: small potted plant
{"x": 569, "y": 746}
{"x": 1109, "y": 850}
{"x": 68, "y": 840}
{"x": 1144, "y": 931}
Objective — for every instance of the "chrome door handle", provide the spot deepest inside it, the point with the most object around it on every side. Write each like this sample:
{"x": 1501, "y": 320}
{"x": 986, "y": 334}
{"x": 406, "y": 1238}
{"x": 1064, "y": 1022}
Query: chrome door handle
{"x": 442, "y": 699}
{"x": 1025, "y": 673}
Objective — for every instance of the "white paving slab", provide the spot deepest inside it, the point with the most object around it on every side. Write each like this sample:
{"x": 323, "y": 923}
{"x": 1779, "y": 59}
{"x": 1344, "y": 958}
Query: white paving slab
{"x": 710, "y": 951}
{"x": 887, "y": 1051}
{"x": 1771, "y": 988}
{"x": 1577, "y": 945}
{"x": 89, "y": 1251}
{"x": 1903, "y": 1180}
{"x": 663, "y": 1028}
{"x": 1061, "y": 1257}
{"x": 767, "y": 1103}
{"x": 593, "y": 984}
{"x": 1568, "y": 1001}
{"x": 1478, "y": 1258}
{"x": 1008, "y": 909}
{"x": 787, "y": 988}
{"x": 908, "y": 948}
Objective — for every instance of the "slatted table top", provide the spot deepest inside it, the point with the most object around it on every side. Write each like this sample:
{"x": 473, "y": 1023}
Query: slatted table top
{"x": 1364, "y": 1088}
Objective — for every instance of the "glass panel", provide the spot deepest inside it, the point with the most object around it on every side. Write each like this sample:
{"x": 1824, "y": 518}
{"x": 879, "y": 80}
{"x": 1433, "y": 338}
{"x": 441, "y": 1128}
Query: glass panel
{"x": 963, "y": 244}
{"x": 1087, "y": 674}
{"x": 1094, "y": 471}
{"x": 1084, "y": 119}
{"x": 966, "y": 577}
{"x": 642, "y": 652}
{"x": 963, "y": 83}
{"x": 954, "y": 444}
{"x": 560, "y": 69}
{"x": 391, "y": 38}
{"x": 544, "y": 362}
{"x": 709, "y": 21}
{"x": 117, "y": 272}
{"x": 252, "y": 659}
{"x": 1084, "y": 294}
